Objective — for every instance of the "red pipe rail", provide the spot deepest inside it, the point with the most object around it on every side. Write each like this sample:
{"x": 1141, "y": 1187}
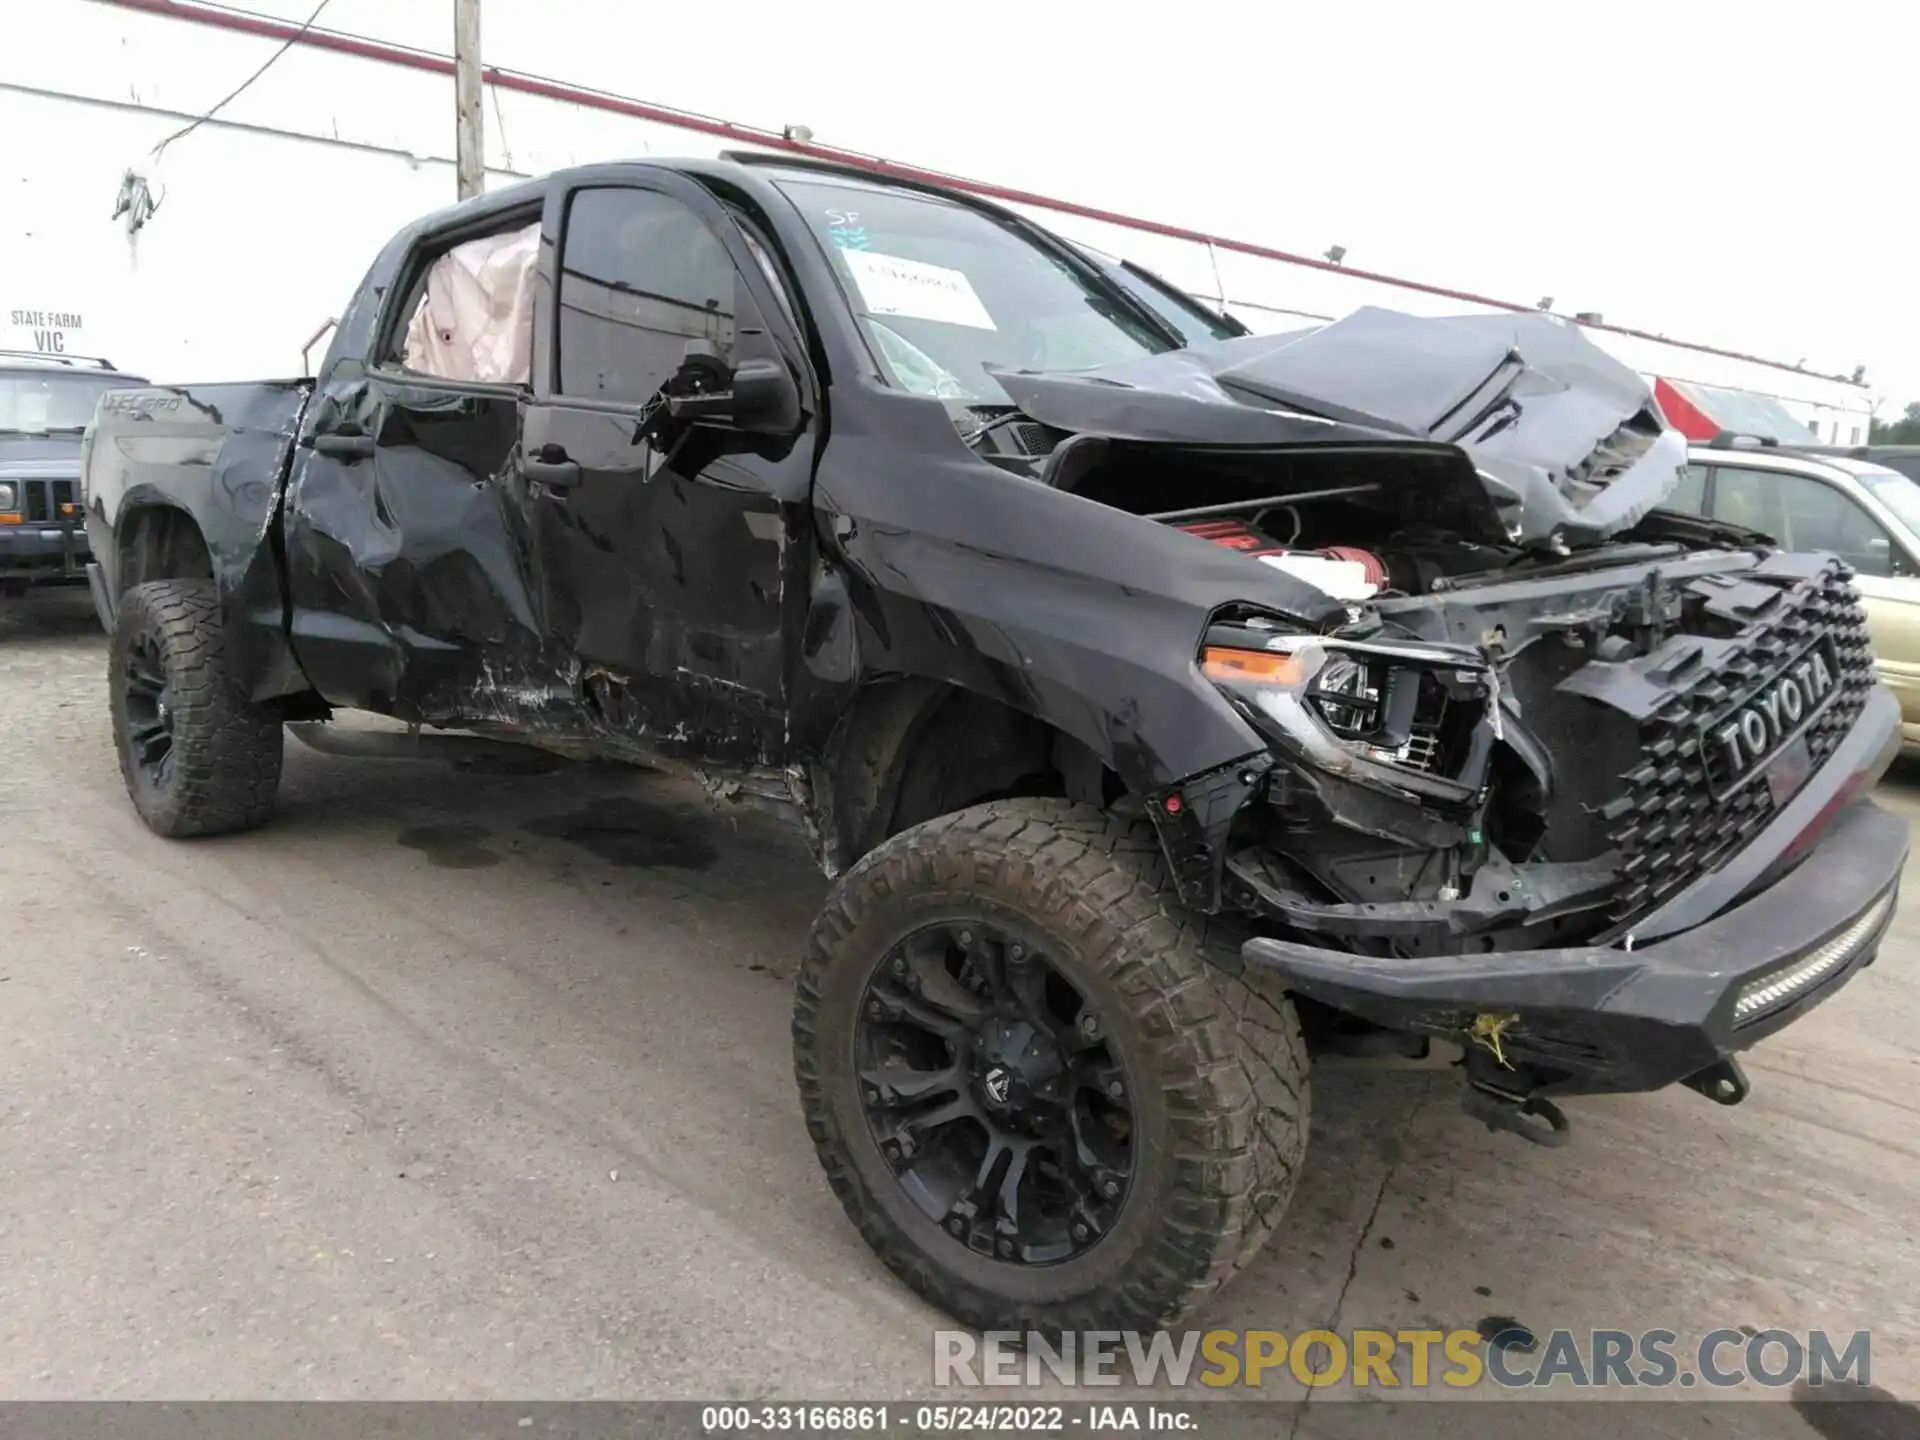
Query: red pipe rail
{"x": 269, "y": 28}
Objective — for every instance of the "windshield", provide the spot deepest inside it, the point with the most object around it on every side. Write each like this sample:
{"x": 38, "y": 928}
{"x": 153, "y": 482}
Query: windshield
{"x": 1898, "y": 494}
{"x": 41, "y": 404}
{"x": 943, "y": 291}
{"x": 1193, "y": 322}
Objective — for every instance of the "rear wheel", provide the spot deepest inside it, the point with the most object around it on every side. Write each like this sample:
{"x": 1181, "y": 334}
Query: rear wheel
{"x": 1037, "y": 1095}
{"x": 197, "y": 755}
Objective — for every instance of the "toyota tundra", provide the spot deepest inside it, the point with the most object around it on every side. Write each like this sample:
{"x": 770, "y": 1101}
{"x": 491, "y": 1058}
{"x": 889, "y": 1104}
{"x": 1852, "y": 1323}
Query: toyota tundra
{"x": 1161, "y": 697}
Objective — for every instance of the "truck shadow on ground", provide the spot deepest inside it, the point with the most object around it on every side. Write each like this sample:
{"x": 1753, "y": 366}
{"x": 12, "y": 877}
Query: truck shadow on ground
{"x": 1872, "y": 1414}
{"x": 53, "y": 614}
{"x": 628, "y": 835}
{"x": 624, "y": 815}
{"x": 1903, "y": 775}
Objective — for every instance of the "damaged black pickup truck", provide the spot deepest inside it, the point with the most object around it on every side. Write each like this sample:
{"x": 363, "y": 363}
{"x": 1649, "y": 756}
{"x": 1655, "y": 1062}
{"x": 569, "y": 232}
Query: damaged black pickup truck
{"x": 1149, "y": 693}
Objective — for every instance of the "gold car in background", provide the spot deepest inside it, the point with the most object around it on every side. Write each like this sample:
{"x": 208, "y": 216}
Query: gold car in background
{"x": 1866, "y": 513}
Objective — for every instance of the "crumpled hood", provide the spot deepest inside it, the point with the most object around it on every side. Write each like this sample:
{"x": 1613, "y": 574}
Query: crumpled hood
{"x": 1566, "y": 439}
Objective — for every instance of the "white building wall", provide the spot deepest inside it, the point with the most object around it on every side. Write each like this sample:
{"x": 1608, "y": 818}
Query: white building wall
{"x": 270, "y": 213}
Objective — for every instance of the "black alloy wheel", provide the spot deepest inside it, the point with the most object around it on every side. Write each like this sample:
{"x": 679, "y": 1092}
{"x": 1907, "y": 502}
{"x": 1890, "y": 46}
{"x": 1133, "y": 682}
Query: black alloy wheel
{"x": 148, "y": 701}
{"x": 199, "y": 756}
{"x": 993, "y": 1091}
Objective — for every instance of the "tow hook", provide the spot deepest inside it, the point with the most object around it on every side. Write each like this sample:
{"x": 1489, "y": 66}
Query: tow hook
{"x": 1722, "y": 1082}
{"x": 1532, "y": 1117}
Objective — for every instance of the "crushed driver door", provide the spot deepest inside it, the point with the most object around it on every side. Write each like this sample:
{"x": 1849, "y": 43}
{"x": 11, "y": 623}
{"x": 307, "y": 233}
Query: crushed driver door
{"x": 671, "y": 558}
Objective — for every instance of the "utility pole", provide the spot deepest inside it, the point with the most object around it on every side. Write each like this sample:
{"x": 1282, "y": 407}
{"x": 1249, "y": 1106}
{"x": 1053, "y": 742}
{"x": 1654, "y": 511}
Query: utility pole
{"x": 469, "y": 120}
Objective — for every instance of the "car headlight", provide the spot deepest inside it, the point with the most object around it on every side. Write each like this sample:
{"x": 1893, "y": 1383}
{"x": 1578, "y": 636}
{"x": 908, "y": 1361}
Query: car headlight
{"x": 8, "y": 495}
{"x": 1411, "y": 714}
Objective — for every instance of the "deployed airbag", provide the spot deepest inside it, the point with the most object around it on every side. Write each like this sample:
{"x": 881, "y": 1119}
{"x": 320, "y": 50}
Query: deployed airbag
{"x": 475, "y": 316}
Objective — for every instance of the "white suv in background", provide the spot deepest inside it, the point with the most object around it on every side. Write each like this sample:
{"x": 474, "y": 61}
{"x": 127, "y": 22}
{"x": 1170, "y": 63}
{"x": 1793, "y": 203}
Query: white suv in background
{"x": 1865, "y": 513}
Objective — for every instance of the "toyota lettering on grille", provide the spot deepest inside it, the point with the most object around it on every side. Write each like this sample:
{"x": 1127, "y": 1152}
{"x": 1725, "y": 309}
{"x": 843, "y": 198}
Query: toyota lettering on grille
{"x": 1740, "y": 743}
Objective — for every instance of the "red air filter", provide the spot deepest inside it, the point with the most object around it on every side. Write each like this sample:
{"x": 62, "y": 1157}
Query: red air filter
{"x": 1234, "y": 535}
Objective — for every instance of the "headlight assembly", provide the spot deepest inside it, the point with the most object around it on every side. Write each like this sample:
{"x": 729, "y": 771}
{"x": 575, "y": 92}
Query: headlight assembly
{"x": 1413, "y": 715}
{"x": 8, "y": 495}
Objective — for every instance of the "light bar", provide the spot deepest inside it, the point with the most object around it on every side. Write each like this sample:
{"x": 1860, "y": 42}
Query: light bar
{"x": 1770, "y": 992}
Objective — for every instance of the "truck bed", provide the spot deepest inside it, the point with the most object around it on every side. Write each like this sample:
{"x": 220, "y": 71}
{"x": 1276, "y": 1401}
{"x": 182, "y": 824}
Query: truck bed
{"x": 206, "y": 465}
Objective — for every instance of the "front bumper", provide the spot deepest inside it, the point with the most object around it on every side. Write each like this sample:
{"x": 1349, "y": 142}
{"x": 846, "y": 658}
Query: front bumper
{"x": 41, "y": 553}
{"x": 1602, "y": 1018}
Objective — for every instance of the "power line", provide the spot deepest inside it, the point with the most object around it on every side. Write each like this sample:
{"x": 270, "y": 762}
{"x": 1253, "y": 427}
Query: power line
{"x": 285, "y": 46}
{"x": 500, "y": 124}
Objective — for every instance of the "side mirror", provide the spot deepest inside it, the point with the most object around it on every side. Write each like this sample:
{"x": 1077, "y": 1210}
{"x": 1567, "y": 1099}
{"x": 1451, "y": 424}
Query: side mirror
{"x": 756, "y": 395}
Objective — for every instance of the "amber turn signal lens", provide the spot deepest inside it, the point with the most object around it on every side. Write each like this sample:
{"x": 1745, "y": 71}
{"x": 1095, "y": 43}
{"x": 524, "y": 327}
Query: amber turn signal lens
{"x": 9, "y": 517}
{"x": 1262, "y": 667}
{"x": 67, "y": 507}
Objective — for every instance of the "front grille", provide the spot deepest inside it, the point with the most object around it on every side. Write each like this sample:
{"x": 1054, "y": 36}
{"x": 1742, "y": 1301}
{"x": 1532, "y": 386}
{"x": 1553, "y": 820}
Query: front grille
{"x": 1667, "y": 820}
{"x": 41, "y": 501}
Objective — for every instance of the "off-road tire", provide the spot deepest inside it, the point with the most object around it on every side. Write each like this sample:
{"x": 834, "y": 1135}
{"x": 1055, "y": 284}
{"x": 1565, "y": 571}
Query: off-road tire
{"x": 226, "y": 756}
{"x": 1224, "y": 1056}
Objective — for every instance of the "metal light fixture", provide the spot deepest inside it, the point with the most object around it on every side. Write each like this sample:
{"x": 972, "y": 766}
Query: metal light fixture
{"x": 798, "y": 134}
{"x": 1782, "y": 987}
{"x": 1336, "y": 253}
{"x": 1545, "y": 302}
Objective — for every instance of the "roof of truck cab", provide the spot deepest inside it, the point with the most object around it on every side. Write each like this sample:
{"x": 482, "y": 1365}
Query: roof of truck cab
{"x": 1860, "y": 452}
{"x": 800, "y": 167}
{"x": 748, "y": 170}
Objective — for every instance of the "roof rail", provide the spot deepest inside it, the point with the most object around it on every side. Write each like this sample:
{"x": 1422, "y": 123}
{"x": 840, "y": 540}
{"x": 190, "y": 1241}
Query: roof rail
{"x": 92, "y": 361}
{"x": 1740, "y": 440}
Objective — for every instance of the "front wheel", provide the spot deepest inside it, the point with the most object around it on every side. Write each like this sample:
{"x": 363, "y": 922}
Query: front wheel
{"x": 198, "y": 756}
{"x": 1042, "y": 1103}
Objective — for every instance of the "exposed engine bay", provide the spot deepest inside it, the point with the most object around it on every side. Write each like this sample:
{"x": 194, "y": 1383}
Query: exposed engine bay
{"x": 1520, "y": 429}
{"x": 1346, "y": 572}
{"x": 1378, "y": 454}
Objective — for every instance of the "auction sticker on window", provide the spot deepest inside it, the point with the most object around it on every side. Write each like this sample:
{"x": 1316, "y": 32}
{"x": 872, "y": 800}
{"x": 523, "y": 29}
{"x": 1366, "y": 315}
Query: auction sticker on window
{"x": 915, "y": 290}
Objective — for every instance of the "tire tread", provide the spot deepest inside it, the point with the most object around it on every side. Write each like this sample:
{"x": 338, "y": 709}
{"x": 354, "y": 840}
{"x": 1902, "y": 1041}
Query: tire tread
{"x": 1228, "y": 1046}
{"x": 227, "y": 748}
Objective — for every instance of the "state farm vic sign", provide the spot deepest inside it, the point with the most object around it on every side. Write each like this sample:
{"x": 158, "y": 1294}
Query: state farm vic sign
{"x": 50, "y": 328}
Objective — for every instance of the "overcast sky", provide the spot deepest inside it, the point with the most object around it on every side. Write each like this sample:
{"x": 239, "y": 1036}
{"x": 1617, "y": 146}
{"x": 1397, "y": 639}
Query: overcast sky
{"x": 1734, "y": 174}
